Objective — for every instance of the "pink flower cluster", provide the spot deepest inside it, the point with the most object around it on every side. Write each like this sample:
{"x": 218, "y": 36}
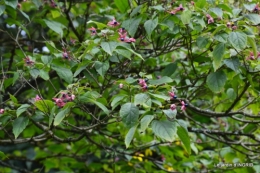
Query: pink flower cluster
{"x": 232, "y": 26}
{"x": 143, "y": 84}
{"x": 174, "y": 11}
{"x": 210, "y": 19}
{"x": 2, "y": 111}
{"x": 60, "y": 102}
{"x": 252, "y": 57}
{"x": 172, "y": 95}
{"x": 183, "y": 106}
{"x": 28, "y": 61}
{"x": 123, "y": 36}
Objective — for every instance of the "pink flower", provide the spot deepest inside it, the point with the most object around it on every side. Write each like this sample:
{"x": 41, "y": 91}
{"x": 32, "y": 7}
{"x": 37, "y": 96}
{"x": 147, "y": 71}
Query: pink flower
{"x": 210, "y": 20}
{"x": 66, "y": 54}
{"x": 234, "y": 28}
{"x": 28, "y": 62}
{"x": 251, "y": 56}
{"x": 180, "y": 8}
{"x": 73, "y": 97}
{"x": 122, "y": 31}
{"x": 229, "y": 24}
{"x": 53, "y": 4}
{"x": 192, "y": 2}
{"x": 121, "y": 85}
{"x": 171, "y": 94}
{"x": 37, "y": 98}
{"x": 93, "y": 30}
{"x": 173, "y": 107}
{"x": 183, "y": 106}
{"x": 172, "y": 12}
{"x": 113, "y": 23}
{"x": 2, "y": 111}
{"x": 256, "y": 8}
{"x": 59, "y": 102}
{"x": 142, "y": 81}
{"x": 130, "y": 40}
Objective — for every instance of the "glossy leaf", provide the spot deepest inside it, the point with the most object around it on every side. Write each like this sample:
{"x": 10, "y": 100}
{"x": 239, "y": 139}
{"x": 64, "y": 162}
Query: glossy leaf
{"x": 233, "y": 63}
{"x": 238, "y": 40}
{"x": 184, "y": 136}
{"x": 122, "y": 5}
{"x": 129, "y": 114}
{"x": 109, "y": 47}
{"x": 101, "y": 67}
{"x": 142, "y": 99}
{"x": 19, "y": 125}
{"x": 129, "y": 136}
{"x": 150, "y": 25}
{"x": 218, "y": 54}
{"x": 145, "y": 121}
{"x": 22, "y": 109}
{"x": 64, "y": 73}
{"x": 216, "y": 81}
{"x": 161, "y": 81}
{"x": 60, "y": 116}
{"x": 55, "y": 26}
{"x": 165, "y": 130}
{"x": 44, "y": 105}
{"x": 186, "y": 17}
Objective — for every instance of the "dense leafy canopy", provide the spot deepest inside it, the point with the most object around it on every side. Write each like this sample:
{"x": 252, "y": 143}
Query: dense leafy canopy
{"x": 129, "y": 86}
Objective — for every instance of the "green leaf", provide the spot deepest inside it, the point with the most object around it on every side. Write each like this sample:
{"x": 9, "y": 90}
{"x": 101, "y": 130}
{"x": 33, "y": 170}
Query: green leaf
{"x": 252, "y": 43}
{"x": 44, "y": 75}
{"x": 60, "y": 116}
{"x": 202, "y": 42}
{"x": 12, "y": 3}
{"x": 117, "y": 99}
{"x": 132, "y": 51}
{"x": 160, "y": 96}
{"x": 238, "y": 40}
{"x": 15, "y": 77}
{"x": 34, "y": 73}
{"x": 22, "y": 109}
{"x": 249, "y": 7}
{"x": 2, "y": 9}
{"x": 169, "y": 69}
{"x": 109, "y": 47}
{"x": 184, "y": 136}
{"x": 37, "y": 3}
{"x": 101, "y": 67}
{"x": 55, "y": 26}
{"x": 13, "y": 98}
{"x": 122, "y": 5}
{"x": 64, "y": 73}
{"x": 145, "y": 121}
{"x": 131, "y": 25}
{"x": 19, "y": 125}
{"x": 170, "y": 113}
{"x": 2, "y": 155}
{"x": 164, "y": 129}
{"x": 129, "y": 136}
{"x": 218, "y": 54}
{"x": 129, "y": 114}
{"x": 216, "y": 81}
{"x": 143, "y": 99}
{"x": 185, "y": 17}
{"x": 44, "y": 105}
{"x": 46, "y": 59}
{"x": 231, "y": 94}
{"x": 163, "y": 80}
{"x": 82, "y": 66}
{"x": 233, "y": 63}
{"x": 200, "y": 4}
{"x": 217, "y": 11}
{"x": 150, "y": 25}
{"x": 101, "y": 106}
{"x": 99, "y": 25}
{"x": 25, "y": 15}
{"x": 254, "y": 18}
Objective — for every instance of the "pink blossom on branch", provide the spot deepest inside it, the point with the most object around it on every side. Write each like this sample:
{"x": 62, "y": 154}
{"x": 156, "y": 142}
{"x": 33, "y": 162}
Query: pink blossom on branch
{"x": 28, "y": 61}
{"x": 37, "y": 97}
{"x": 113, "y": 23}
{"x": 173, "y": 107}
{"x": 2, "y": 111}
{"x": 59, "y": 102}
{"x": 93, "y": 30}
